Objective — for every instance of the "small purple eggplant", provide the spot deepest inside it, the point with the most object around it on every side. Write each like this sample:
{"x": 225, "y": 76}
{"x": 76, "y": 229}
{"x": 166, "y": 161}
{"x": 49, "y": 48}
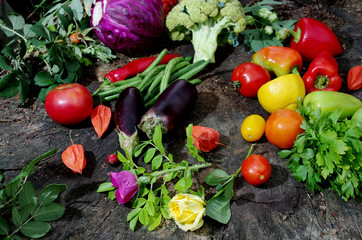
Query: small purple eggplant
{"x": 169, "y": 107}
{"x": 127, "y": 114}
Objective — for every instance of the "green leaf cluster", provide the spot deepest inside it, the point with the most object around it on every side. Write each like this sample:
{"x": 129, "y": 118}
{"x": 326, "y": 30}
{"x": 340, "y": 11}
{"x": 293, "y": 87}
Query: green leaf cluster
{"x": 255, "y": 36}
{"x": 46, "y": 43}
{"x": 23, "y": 211}
{"x": 150, "y": 204}
{"x": 328, "y": 155}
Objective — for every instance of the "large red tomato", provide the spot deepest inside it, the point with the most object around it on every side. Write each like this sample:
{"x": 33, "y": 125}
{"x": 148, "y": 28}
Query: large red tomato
{"x": 256, "y": 169}
{"x": 69, "y": 103}
{"x": 282, "y": 128}
{"x": 247, "y": 78}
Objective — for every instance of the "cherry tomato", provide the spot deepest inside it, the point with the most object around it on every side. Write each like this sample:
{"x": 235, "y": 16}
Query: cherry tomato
{"x": 69, "y": 103}
{"x": 112, "y": 159}
{"x": 74, "y": 38}
{"x": 256, "y": 169}
{"x": 252, "y": 128}
{"x": 282, "y": 128}
{"x": 247, "y": 78}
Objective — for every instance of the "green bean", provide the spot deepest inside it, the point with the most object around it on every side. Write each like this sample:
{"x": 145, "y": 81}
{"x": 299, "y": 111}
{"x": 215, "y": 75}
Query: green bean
{"x": 111, "y": 97}
{"x": 150, "y": 102}
{"x": 155, "y": 62}
{"x": 119, "y": 88}
{"x": 118, "y": 83}
{"x": 194, "y": 71}
{"x": 170, "y": 65}
{"x": 155, "y": 82}
{"x": 148, "y": 78}
{"x": 184, "y": 70}
{"x": 195, "y": 81}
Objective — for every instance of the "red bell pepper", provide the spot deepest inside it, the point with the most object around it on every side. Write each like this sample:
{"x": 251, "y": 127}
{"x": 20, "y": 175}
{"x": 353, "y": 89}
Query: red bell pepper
{"x": 311, "y": 36}
{"x": 322, "y": 74}
{"x": 137, "y": 66}
{"x": 354, "y": 78}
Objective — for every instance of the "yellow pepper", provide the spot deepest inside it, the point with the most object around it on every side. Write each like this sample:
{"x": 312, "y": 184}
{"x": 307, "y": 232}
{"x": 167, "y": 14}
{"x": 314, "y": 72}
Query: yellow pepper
{"x": 282, "y": 92}
{"x": 187, "y": 210}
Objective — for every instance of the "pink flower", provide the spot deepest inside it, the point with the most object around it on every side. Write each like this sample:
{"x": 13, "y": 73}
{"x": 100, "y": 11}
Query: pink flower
{"x": 127, "y": 185}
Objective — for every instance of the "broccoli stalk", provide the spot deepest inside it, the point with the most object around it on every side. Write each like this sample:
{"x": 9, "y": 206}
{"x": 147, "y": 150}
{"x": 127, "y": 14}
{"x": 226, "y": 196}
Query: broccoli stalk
{"x": 207, "y": 24}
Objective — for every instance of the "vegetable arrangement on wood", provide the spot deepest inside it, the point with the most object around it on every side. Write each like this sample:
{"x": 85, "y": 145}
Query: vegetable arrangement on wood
{"x": 309, "y": 121}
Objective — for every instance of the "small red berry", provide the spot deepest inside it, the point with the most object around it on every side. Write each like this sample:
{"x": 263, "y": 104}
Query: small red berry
{"x": 112, "y": 159}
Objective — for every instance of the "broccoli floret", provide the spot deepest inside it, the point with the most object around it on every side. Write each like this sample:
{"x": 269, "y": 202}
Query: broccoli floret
{"x": 207, "y": 24}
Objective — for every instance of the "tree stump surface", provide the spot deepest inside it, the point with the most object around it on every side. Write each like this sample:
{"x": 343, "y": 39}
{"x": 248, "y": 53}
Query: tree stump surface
{"x": 280, "y": 209}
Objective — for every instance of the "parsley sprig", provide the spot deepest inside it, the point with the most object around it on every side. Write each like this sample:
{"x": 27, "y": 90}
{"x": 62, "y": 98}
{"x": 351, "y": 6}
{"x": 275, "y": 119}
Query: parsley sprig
{"x": 328, "y": 155}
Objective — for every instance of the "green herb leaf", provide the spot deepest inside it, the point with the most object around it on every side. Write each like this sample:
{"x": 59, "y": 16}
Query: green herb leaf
{"x": 133, "y": 223}
{"x": 50, "y": 212}
{"x": 4, "y": 226}
{"x": 27, "y": 195}
{"x": 134, "y": 213}
{"x": 105, "y": 187}
{"x": 35, "y": 229}
{"x": 216, "y": 177}
{"x": 5, "y": 63}
{"x": 44, "y": 79}
{"x": 16, "y": 20}
{"x": 156, "y": 162}
{"x": 157, "y": 139}
{"x": 77, "y": 8}
{"x": 49, "y": 193}
{"x": 218, "y": 208}
{"x": 149, "y": 155}
{"x": 15, "y": 216}
{"x": 183, "y": 184}
{"x": 6, "y": 79}
{"x": 155, "y": 222}
{"x": 41, "y": 31}
{"x": 143, "y": 217}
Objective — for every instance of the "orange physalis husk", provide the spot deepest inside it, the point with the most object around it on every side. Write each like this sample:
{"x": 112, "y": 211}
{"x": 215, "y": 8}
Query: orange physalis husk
{"x": 101, "y": 117}
{"x": 73, "y": 157}
{"x": 205, "y": 138}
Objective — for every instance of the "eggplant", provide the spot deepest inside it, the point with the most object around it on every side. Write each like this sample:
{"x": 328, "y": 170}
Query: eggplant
{"x": 170, "y": 107}
{"x": 127, "y": 114}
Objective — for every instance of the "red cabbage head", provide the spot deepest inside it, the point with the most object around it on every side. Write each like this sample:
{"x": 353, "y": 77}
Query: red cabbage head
{"x": 128, "y": 26}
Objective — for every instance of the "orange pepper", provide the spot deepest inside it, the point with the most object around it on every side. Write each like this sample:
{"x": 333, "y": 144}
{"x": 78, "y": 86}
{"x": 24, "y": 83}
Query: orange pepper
{"x": 280, "y": 60}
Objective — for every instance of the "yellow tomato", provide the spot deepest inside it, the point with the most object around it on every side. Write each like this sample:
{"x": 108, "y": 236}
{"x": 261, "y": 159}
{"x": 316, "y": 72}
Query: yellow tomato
{"x": 252, "y": 128}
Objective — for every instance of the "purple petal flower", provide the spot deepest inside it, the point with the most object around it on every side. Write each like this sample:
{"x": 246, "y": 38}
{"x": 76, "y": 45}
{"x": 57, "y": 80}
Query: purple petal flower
{"x": 127, "y": 185}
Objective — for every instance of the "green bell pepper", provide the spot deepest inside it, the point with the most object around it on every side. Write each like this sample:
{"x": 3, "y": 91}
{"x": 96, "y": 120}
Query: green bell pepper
{"x": 330, "y": 101}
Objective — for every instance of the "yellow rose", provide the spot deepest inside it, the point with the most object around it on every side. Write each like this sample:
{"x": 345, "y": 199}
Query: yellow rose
{"x": 187, "y": 210}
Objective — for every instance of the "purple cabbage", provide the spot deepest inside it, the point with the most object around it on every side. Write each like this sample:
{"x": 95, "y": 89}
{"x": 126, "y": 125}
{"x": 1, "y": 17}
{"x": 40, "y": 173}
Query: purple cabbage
{"x": 128, "y": 26}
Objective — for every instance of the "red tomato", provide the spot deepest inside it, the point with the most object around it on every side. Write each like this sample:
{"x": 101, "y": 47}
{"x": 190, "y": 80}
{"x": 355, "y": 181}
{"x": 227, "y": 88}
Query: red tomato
{"x": 283, "y": 127}
{"x": 69, "y": 103}
{"x": 256, "y": 169}
{"x": 248, "y": 78}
